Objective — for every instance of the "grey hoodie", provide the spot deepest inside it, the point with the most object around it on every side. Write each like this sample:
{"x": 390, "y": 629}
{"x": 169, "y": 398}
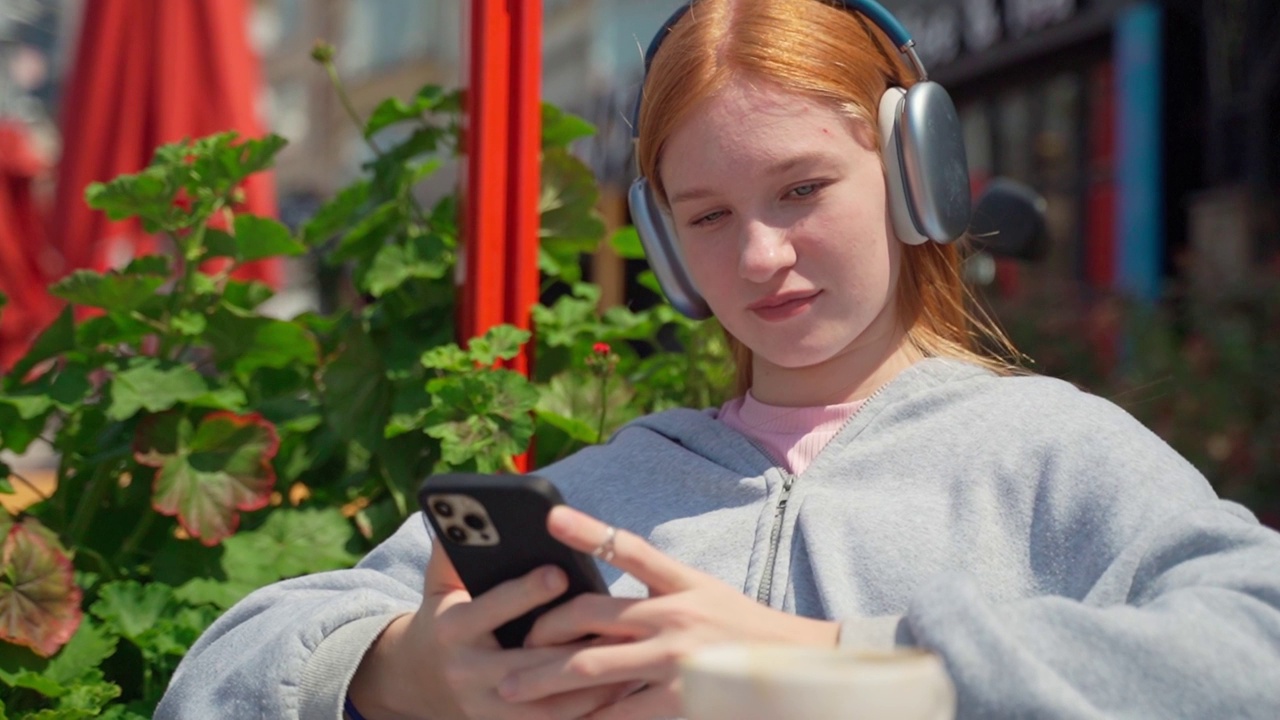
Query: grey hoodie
{"x": 1062, "y": 559}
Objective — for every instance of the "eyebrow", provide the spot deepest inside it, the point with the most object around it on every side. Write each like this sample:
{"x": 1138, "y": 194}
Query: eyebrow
{"x": 779, "y": 168}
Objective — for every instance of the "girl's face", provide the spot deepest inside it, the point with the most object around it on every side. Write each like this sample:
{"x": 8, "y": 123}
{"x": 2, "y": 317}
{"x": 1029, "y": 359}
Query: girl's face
{"x": 779, "y": 205}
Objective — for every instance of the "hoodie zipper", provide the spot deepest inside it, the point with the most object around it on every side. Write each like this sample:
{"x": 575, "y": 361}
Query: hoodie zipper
{"x": 764, "y": 595}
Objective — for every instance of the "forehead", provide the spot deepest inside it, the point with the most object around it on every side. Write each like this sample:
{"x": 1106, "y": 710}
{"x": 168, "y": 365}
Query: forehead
{"x": 751, "y": 122}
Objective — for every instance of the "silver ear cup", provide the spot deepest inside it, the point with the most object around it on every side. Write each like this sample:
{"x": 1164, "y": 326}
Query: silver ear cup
{"x": 662, "y": 250}
{"x": 926, "y": 170}
{"x": 935, "y": 168}
{"x": 898, "y": 196}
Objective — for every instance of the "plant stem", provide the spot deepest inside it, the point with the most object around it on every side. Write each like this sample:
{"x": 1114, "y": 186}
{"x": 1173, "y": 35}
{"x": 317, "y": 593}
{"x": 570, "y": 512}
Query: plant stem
{"x": 604, "y": 404}
{"x": 99, "y": 485}
{"x": 140, "y": 530}
{"x": 349, "y": 106}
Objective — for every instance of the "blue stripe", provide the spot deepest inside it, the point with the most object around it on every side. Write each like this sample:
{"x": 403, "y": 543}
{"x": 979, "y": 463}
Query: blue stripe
{"x": 1140, "y": 187}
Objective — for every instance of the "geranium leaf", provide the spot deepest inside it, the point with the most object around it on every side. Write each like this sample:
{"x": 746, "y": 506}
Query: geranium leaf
{"x": 290, "y": 543}
{"x": 114, "y": 290}
{"x": 39, "y": 599}
{"x": 258, "y": 237}
{"x": 85, "y": 652}
{"x": 208, "y": 471}
{"x": 249, "y": 343}
{"x": 131, "y": 608}
{"x": 153, "y": 386}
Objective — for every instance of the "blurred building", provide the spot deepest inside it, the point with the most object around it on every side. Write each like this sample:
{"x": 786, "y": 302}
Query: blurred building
{"x": 1151, "y": 127}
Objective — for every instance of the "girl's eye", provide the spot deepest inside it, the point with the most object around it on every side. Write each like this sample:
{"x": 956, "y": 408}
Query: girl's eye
{"x": 806, "y": 190}
{"x": 708, "y": 218}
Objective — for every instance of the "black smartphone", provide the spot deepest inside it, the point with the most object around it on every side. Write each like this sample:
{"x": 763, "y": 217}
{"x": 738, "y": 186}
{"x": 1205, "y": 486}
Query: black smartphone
{"x": 494, "y": 529}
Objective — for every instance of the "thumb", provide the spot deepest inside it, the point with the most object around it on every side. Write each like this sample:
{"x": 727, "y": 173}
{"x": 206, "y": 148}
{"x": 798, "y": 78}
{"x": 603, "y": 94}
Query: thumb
{"x": 441, "y": 577}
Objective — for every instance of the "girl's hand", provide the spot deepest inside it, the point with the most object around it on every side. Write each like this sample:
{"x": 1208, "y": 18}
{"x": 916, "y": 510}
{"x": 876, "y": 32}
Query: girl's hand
{"x": 443, "y": 662}
{"x": 686, "y": 610}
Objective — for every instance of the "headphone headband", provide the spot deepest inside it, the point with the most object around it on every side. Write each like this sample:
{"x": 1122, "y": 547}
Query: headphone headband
{"x": 921, "y": 142}
{"x": 873, "y": 10}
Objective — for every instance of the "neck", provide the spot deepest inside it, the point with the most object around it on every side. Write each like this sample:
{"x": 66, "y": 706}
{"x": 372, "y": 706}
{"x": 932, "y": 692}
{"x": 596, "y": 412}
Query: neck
{"x": 852, "y": 374}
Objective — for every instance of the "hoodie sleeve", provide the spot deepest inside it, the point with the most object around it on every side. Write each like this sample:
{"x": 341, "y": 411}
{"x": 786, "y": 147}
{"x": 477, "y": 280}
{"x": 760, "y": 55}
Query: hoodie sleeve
{"x": 1175, "y": 613}
{"x": 289, "y": 650}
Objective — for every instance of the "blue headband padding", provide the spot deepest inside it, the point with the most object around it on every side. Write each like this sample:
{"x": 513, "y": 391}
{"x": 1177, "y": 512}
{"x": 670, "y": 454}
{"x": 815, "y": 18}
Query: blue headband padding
{"x": 876, "y": 12}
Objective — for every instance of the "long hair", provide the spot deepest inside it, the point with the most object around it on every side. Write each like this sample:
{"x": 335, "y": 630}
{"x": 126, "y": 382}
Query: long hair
{"x": 833, "y": 56}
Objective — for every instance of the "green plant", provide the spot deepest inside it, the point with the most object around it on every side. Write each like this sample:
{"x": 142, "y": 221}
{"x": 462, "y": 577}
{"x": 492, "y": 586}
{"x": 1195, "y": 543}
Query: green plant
{"x": 206, "y": 449}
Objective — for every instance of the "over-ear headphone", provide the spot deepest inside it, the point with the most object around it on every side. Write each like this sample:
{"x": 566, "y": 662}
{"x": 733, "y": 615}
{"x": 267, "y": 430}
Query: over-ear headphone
{"x": 923, "y": 148}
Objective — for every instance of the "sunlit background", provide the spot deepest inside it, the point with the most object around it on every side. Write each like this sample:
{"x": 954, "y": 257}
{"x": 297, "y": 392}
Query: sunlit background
{"x": 1152, "y": 129}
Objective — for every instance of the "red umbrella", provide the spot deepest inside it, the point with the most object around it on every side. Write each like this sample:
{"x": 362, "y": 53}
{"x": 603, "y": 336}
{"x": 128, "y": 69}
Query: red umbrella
{"x": 146, "y": 73}
{"x": 21, "y": 240}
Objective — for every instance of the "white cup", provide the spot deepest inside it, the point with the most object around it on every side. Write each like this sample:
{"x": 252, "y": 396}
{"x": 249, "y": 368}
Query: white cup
{"x": 776, "y": 682}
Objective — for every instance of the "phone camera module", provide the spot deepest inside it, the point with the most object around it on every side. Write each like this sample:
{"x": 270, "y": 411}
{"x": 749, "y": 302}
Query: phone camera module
{"x": 443, "y": 509}
{"x": 473, "y": 521}
{"x": 456, "y": 534}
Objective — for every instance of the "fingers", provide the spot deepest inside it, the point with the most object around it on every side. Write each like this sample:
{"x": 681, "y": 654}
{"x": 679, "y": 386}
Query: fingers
{"x": 662, "y": 574}
{"x": 579, "y": 704}
{"x": 593, "y": 666}
{"x": 475, "y": 621}
{"x": 587, "y": 615}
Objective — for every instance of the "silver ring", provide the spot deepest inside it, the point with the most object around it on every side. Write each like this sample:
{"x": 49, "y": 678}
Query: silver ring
{"x": 604, "y": 550}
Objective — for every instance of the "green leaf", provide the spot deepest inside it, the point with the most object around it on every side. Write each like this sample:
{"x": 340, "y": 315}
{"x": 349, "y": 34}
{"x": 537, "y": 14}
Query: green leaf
{"x": 395, "y": 263}
{"x": 210, "y": 470}
{"x": 84, "y": 653}
{"x": 246, "y": 295}
{"x": 189, "y": 323}
{"x": 84, "y": 700}
{"x": 575, "y": 429}
{"x": 356, "y": 392}
{"x": 148, "y": 194}
{"x": 336, "y": 213}
{"x": 39, "y": 599}
{"x": 112, "y": 291}
{"x": 363, "y": 240}
{"x": 131, "y": 609}
{"x": 449, "y": 357}
{"x": 570, "y": 224}
{"x": 499, "y": 342}
{"x": 246, "y": 344}
{"x": 33, "y": 681}
{"x": 153, "y": 386}
{"x": 59, "y": 337}
{"x": 259, "y": 237}
{"x": 289, "y": 544}
{"x": 560, "y": 128}
{"x": 394, "y": 110}
{"x": 17, "y": 433}
{"x": 626, "y": 243}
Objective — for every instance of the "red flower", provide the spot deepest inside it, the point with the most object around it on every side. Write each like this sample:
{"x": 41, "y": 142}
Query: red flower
{"x": 601, "y": 348}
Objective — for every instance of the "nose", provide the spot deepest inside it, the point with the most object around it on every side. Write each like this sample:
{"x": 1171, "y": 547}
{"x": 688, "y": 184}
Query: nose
{"x": 765, "y": 251}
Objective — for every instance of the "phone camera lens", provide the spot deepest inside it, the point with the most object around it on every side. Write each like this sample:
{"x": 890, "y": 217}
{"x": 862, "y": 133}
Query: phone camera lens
{"x": 473, "y": 521}
{"x": 456, "y": 534}
{"x": 443, "y": 509}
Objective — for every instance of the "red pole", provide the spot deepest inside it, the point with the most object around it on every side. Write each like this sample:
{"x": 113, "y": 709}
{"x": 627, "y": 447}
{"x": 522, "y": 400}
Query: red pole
{"x": 503, "y": 143}
{"x": 525, "y": 168}
{"x": 486, "y": 178}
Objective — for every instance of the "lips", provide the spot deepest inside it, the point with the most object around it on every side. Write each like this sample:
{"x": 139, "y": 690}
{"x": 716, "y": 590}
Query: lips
{"x": 783, "y": 305}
